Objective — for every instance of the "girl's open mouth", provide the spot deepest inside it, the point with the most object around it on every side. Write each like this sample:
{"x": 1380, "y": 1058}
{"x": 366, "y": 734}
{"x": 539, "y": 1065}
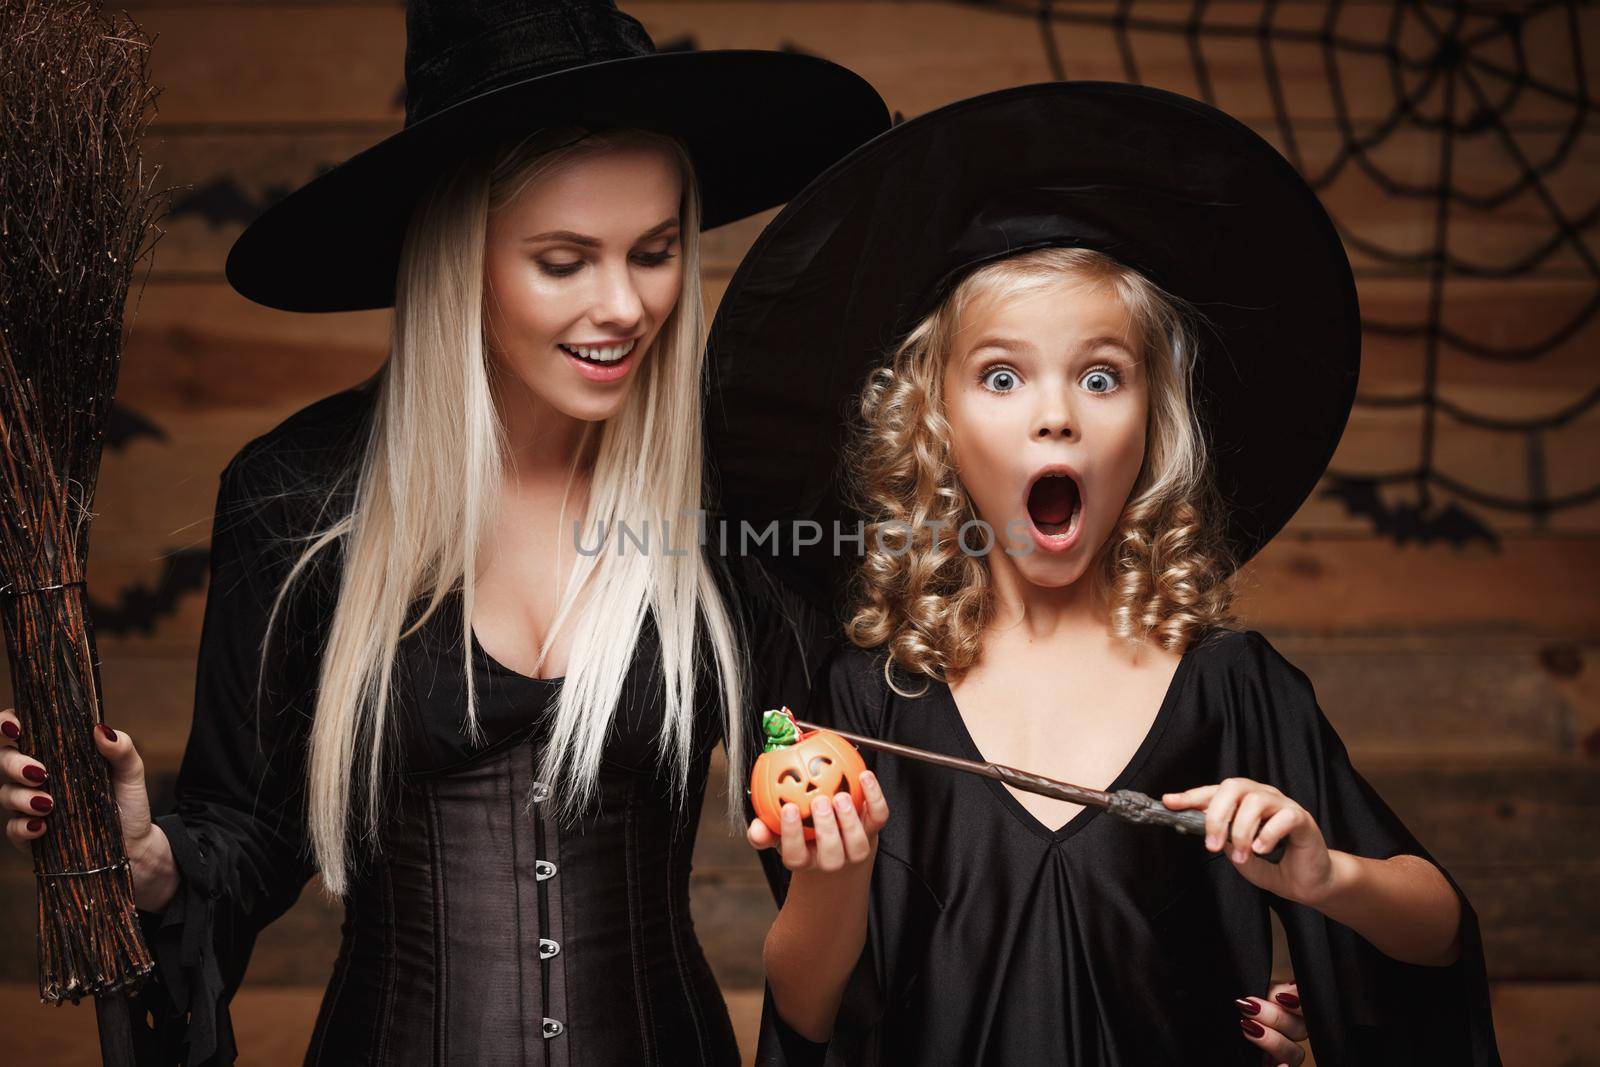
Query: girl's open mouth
{"x": 1054, "y": 504}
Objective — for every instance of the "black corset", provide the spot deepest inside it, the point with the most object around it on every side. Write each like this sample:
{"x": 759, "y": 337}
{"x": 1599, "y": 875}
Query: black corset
{"x": 486, "y": 934}
{"x": 482, "y": 932}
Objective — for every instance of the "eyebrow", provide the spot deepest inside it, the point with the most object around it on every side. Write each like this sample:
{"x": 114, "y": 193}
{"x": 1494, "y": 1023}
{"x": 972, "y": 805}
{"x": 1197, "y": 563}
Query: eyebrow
{"x": 571, "y": 238}
{"x": 1010, "y": 344}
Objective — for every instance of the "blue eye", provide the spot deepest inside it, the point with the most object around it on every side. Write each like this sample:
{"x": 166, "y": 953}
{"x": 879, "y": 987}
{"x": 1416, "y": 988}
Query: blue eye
{"x": 1099, "y": 380}
{"x": 1000, "y": 380}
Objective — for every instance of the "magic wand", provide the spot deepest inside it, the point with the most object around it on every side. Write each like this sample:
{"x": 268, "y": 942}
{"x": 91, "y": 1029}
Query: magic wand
{"x": 1129, "y": 804}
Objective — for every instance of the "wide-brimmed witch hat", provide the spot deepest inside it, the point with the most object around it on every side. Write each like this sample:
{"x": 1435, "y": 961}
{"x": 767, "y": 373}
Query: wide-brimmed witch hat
{"x": 758, "y": 125}
{"x": 1175, "y": 188}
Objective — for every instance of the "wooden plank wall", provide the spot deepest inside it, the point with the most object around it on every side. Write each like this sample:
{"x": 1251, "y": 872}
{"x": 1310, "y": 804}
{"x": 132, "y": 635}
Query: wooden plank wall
{"x": 1463, "y": 679}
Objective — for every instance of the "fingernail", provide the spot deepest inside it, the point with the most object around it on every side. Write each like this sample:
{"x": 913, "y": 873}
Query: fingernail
{"x": 843, "y": 802}
{"x": 11, "y": 729}
{"x": 1211, "y": 842}
{"x": 1248, "y": 1006}
{"x": 1240, "y": 855}
{"x": 33, "y": 773}
{"x": 790, "y": 813}
{"x": 35, "y": 825}
{"x": 110, "y": 734}
{"x": 42, "y": 805}
{"x": 1288, "y": 1000}
{"x": 1251, "y": 1027}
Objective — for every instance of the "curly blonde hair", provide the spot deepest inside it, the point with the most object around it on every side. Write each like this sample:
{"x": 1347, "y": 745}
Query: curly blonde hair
{"x": 1165, "y": 571}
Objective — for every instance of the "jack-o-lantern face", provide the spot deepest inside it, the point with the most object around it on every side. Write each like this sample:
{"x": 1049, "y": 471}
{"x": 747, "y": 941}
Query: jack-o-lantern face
{"x": 819, "y": 764}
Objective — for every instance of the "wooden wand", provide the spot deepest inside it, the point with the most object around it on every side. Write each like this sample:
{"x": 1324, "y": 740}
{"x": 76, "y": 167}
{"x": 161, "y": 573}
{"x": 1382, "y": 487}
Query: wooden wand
{"x": 1129, "y": 804}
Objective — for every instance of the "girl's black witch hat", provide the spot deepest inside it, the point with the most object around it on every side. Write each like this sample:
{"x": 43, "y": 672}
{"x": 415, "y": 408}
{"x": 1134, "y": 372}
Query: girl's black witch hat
{"x": 757, "y": 124}
{"x": 1171, "y": 186}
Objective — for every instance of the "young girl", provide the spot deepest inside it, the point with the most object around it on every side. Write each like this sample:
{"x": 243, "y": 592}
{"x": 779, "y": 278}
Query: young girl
{"x": 1126, "y": 344}
{"x": 492, "y": 746}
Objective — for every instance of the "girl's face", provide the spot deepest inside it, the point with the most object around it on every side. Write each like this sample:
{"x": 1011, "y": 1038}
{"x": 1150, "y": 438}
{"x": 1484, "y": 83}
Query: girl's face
{"x": 580, "y": 272}
{"x": 1047, "y": 403}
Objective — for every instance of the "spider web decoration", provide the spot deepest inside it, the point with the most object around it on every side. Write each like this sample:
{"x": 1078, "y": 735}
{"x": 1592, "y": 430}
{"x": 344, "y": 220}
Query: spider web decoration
{"x": 1500, "y": 93}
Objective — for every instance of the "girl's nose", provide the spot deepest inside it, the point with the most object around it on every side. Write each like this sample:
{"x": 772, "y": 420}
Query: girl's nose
{"x": 1053, "y": 424}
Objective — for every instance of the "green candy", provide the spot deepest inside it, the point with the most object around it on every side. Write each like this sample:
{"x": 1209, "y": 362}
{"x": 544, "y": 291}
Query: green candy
{"x": 779, "y": 730}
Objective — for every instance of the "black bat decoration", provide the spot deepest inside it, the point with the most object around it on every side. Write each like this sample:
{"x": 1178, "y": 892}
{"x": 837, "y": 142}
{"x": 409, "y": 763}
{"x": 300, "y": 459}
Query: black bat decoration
{"x": 1406, "y": 522}
{"x": 139, "y": 607}
{"x": 221, "y": 202}
{"x": 126, "y": 426}
{"x": 686, "y": 43}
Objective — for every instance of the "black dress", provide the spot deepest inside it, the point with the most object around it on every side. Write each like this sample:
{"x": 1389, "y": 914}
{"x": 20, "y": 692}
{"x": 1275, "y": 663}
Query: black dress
{"x": 480, "y": 931}
{"x": 994, "y": 939}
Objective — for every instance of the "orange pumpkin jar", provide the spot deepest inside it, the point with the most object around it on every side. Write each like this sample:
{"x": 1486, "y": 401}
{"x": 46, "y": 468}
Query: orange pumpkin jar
{"x": 796, "y": 768}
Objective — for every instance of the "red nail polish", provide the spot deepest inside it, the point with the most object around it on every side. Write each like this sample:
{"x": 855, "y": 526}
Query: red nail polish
{"x": 32, "y": 773}
{"x": 1288, "y": 1000}
{"x": 35, "y": 825}
{"x": 11, "y": 729}
{"x": 111, "y": 735}
{"x": 42, "y": 805}
{"x": 1251, "y": 1027}
{"x": 1249, "y": 1007}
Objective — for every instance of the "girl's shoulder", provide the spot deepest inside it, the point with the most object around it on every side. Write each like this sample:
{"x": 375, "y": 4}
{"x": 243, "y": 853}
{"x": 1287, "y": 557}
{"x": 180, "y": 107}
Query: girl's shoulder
{"x": 1223, "y": 650}
{"x": 857, "y": 691}
{"x": 1241, "y": 673}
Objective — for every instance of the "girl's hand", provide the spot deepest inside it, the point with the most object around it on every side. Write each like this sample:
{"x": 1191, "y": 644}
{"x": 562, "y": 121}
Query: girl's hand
{"x": 26, "y": 803}
{"x": 845, "y": 837}
{"x": 1275, "y": 1025}
{"x": 1247, "y": 818}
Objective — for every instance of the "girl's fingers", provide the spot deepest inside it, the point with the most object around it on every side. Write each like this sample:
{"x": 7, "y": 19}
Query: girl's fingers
{"x": 851, "y": 832}
{"x": 21, "y": 770}
{"x": 30, "y": 803}
{"x": 1246, "y": 821}
{"x": 21, "y": 830}
{"x": 1219, "y": 811}
{"x": 1276, "y": 829}
{"x": 1274, "y": 1017}
{"x": 830, "y": 848}
{"x": 760, "y": 835}
{"x": 792, "y": 842}
{"x": 10, "y": 727}
{"x": 877, "y": 813}
{"x": 1198, "y": 797}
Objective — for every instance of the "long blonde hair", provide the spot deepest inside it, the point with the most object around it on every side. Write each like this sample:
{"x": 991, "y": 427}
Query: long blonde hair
{"x": 427, "y": 488}
{"x": 1165, "y": 571}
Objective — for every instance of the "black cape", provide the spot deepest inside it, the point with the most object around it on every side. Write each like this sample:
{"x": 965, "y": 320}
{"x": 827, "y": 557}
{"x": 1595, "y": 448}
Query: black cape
{"x": 993, "y": 939}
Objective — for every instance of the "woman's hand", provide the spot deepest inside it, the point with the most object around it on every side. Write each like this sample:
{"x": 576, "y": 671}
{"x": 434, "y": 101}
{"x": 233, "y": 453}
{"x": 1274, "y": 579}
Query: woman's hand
{"x": 845, "y": 837}
{"x": 26, "y": 802}
{"x": 1275, "y": 1025}
{"x": 1248, "y": 818}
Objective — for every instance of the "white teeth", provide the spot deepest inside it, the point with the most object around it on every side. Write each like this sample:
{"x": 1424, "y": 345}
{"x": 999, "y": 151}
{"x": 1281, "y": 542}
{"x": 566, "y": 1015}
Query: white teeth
{"x": 605, "y": 354}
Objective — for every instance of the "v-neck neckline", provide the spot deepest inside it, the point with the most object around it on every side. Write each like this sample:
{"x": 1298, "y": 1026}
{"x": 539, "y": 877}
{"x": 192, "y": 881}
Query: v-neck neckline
{"x": 1135, "y": 762}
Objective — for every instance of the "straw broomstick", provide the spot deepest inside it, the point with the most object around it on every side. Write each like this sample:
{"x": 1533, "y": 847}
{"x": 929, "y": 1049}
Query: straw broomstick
{"x": 77, "y": 213}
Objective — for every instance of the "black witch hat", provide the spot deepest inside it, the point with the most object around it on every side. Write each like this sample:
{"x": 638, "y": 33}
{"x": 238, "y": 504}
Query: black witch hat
{"x": 1175, "y": 188}
{"x": 757, "y": 125}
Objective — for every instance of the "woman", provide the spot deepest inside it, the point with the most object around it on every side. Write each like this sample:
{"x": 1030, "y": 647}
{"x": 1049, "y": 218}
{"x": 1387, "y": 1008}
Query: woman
{"x": 415, "y": 679}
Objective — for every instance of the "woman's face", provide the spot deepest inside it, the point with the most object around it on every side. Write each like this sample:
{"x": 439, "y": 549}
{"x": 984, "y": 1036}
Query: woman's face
{"x": 1047, "y": 403}
{"x": 580, "y": 272}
